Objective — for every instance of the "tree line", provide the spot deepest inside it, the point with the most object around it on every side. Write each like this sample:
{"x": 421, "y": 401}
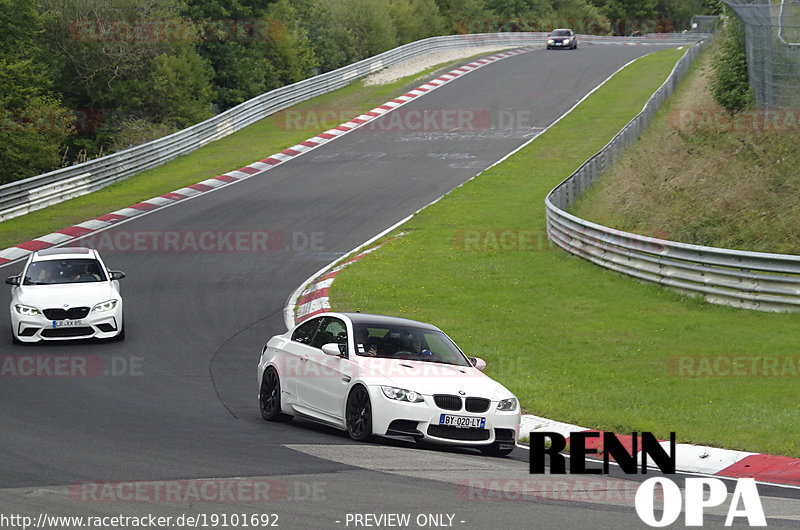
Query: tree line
{"x": 84, "y": 78}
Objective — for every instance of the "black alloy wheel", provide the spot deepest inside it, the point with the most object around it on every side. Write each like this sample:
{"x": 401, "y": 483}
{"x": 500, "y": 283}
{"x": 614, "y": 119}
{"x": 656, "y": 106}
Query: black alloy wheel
{"x": 358, "y": 415}
{"x": 269, "y": 396}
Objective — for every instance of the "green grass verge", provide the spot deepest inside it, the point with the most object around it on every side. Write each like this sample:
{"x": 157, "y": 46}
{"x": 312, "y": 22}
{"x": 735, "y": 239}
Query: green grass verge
{"x": 576, "y": 342}
{"x": 255, "y": 142}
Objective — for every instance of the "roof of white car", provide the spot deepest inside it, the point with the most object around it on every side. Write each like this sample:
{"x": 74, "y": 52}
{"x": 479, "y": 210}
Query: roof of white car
{"x": 366, "y": 318}
{"x": 64, "y": 253}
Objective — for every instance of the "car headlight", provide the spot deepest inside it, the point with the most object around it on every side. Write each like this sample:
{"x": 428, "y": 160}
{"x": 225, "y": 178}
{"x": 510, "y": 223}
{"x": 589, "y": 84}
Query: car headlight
{"x": 28, "y": 311}
{"x": 108, "y": 305}
{"x": 507, "y": 405}
{"x": 401, "y": 394}
{"x": 550, "y": 41}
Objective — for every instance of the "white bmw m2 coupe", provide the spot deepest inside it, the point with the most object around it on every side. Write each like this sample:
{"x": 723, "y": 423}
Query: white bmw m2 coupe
{"x": 66, "y": 293}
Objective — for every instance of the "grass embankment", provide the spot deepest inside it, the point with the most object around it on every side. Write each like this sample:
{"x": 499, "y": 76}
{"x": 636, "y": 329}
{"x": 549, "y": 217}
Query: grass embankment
{"x": 263, "y": 138}
{"x": 576, "y": 342}
{"x": 701, "y": 175}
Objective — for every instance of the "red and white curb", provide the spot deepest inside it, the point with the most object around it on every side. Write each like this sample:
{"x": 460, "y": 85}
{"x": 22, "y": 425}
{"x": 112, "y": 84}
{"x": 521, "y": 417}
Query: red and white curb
{"x": 168, "y": 199}
{"x": 690, "y": 458}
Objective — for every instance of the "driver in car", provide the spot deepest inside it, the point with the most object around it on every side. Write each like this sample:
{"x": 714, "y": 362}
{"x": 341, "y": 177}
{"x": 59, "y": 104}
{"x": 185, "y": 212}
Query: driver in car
{"x": 416, "y": 347}
{"x": 363, "y": 346}
{"x": 85, "y": 273}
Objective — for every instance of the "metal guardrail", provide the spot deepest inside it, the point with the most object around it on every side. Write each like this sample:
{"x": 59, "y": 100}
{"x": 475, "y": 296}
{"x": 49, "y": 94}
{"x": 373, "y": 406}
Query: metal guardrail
{"x": 753, "y": 280}
{"x": 20, "y": 197}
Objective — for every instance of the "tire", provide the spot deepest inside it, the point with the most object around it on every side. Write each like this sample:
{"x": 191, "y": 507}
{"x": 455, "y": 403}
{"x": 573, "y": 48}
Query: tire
{"x": 121, "y": 335}
{"x": 14, "y": 339}
{"x": 358, "y": 414}
{"x": 496, "y": 450}
{"x": 269, "y": 396}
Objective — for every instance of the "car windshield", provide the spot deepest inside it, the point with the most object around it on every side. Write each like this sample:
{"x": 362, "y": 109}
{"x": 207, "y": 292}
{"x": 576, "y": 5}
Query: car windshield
{"x": 64, "y": 271}
{"x": 405, "y": 342}
{"x": 561, "y": 33}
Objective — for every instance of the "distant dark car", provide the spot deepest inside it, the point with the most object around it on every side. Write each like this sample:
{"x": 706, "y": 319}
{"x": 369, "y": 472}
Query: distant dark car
{"x": 562, "y": 38}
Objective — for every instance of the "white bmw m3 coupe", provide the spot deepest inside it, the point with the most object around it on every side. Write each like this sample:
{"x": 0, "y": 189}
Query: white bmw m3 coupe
{"x": 66, "y": 293}
{"x": 371, "y": 374}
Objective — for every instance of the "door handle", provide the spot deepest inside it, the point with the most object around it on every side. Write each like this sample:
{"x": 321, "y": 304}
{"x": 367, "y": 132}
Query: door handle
{"x": 346, "y": 379}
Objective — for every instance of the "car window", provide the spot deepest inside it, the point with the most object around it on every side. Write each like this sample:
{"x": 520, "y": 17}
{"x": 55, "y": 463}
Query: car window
{"x": 331, "y": 330}
{"x": 305, "y": 331}
{"x": 404, "y": 342}
{"x": 64, "y": 271}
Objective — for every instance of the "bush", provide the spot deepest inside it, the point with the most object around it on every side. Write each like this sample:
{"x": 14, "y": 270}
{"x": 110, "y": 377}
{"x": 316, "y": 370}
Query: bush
{"x": 730, "y": 85}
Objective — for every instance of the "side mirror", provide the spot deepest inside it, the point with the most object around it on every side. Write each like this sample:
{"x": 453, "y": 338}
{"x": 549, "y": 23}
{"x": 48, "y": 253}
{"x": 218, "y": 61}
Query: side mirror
{"x": 12, "y": 280}
{"x": 333, "y": 349}
{"x": 478, "y": 363}
{"x": 117, "y": 275}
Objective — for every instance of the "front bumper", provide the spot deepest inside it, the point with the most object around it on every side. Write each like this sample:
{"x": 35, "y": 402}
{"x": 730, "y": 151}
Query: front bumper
{"x": 35, "y": 328}
{"x": 421, "y": 421}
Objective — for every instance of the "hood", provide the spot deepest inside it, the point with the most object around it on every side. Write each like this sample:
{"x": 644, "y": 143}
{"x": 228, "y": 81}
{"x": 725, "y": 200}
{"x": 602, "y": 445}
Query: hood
{"x": 72, "y": 294}
{"x": 432, "y": 378}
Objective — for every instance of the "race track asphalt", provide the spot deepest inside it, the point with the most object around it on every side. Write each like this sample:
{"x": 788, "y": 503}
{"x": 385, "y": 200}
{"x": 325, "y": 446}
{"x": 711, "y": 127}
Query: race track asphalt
{"x": 176, "y": 400}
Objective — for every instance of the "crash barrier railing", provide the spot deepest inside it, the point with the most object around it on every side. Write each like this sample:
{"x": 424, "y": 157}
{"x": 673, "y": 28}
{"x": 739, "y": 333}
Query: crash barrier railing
{"x": 23, "y": 196}
{"x": 754, "y": 280}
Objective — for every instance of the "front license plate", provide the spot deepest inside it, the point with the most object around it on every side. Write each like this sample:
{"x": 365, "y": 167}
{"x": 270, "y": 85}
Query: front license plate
{"x": 67, "y": 323}
{"x": 462, "y": 422}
